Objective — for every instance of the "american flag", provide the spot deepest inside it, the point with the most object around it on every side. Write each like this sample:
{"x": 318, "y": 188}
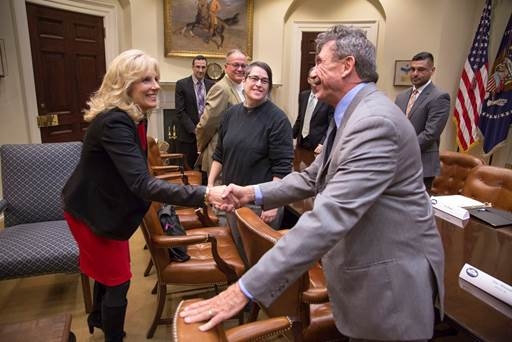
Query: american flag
{"x": 472, "y": 84}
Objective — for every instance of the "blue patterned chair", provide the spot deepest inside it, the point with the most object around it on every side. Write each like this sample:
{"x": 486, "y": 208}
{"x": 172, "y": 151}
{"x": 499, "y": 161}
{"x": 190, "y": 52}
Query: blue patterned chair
{"x": 36, "y": 239}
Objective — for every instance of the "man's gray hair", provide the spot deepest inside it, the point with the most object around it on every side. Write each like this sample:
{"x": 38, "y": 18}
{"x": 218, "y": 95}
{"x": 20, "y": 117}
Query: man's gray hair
{"x": 351, "y": 41}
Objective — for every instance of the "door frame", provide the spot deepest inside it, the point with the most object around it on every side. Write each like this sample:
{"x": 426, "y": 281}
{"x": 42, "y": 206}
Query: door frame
{"x": 93, "y": 7}
{"x": 371, "y": 26}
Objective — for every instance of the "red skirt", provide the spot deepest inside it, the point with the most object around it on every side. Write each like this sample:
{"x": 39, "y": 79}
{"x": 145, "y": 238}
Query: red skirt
{"x": 104, "y": 260}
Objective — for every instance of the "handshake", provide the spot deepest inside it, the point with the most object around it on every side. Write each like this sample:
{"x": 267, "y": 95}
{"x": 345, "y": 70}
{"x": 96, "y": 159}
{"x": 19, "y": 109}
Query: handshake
{"x": 231, "y": 197}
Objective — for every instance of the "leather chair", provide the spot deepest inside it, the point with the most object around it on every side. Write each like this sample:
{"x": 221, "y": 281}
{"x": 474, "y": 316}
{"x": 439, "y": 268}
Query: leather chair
{"x": 455, "y": 167}
{"x": 36, "y": 239}
{"x": 156, "y": 159}
{"x": 490, "y": 184}
{"x": 214, "y": 259}
{"x": 189, "y": 217}
{"x": 306, "y": 300}
{"x": 256, "y": 331}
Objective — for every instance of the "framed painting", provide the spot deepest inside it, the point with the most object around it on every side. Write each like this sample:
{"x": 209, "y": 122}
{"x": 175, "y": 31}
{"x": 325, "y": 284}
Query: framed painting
{"x": 402, "y": 68}
{"x": 207, "y": 27}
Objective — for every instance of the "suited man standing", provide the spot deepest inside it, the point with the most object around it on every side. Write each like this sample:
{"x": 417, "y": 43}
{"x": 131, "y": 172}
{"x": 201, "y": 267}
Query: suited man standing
{"x": 428, "y": 108}
{"x": 190, "y": 99}
{"x": 224, "y": 94}
{"x": 313, "y": 119}
{"x": 371, "y": 224}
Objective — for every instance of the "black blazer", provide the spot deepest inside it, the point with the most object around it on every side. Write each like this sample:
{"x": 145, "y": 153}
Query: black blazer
{"x": 186, "y": 108}
{"x": 322, "y": 115}
{"x": 111, "y": 189}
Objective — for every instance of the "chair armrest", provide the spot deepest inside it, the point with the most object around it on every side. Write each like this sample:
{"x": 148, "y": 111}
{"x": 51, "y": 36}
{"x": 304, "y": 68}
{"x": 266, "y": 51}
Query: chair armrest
{"x": 3, "y": 205}
{"x": 170, "y": 176}
{"x": 165, "y": 168}
{"x": 315, "y": 296}
{"x": 317, "y": 289}
{"x": 173, "y": 177}
{"x": 204, "y": 217}
{"x": 225, "y": 268}
{"x": 260, "y": 330}
{"x": 171, "y": 155}
{"x": 167, "y": 241}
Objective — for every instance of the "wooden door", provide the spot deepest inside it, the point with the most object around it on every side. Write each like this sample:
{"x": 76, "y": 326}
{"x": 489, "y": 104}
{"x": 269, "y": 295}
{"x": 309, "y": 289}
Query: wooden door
{"x": 308, "y": 53}
{"x": 68, "y": 57}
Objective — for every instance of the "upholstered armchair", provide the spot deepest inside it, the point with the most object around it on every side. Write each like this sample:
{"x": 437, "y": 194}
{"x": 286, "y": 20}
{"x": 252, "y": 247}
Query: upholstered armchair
{"x": 214, "y": 259}
{"x": 305, "y": 301}
{"x": 490, "y": 184}
{"x": 455, "y": 167}
{"x": 36, "y": 239}
{"x": 263, "y": 330}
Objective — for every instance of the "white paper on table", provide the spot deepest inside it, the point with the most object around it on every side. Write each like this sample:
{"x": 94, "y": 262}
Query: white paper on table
{"x": 458, "y": 201}
{"x": 458, "y": 212}
{"x": 487, "y": 283}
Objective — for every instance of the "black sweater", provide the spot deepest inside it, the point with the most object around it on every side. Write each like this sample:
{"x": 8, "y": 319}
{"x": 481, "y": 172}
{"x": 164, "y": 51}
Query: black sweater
{"x": 254, "y": 145}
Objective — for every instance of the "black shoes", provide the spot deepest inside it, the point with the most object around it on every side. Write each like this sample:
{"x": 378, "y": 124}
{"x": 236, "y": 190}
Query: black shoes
{"x": 94, "y": 321}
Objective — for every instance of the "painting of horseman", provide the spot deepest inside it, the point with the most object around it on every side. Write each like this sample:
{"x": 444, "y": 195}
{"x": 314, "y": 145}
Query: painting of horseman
{"x": 207, "y": 27}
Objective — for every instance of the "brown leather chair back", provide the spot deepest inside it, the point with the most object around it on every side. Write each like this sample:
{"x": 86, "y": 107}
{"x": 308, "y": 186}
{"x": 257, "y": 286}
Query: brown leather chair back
{"x": 490, "y": 184}
{"x": 306, "y": 300}
{"x": 257, "y": 238}
{"x": 455, "y": 167}
{"x": 156, "y": 158}
{"x": 263, "y": 330}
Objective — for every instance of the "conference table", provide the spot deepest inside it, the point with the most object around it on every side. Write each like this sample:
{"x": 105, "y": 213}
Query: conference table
{"x": 489, "y": 250}
{"x": 480, "y": 245}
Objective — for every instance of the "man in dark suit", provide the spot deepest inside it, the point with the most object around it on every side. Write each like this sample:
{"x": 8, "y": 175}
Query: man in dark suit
{"x": 372, "y": 223}
{"x": 313, "y": 119}
{"x": 428, "y": 108}
{"x": 190, "y": 99}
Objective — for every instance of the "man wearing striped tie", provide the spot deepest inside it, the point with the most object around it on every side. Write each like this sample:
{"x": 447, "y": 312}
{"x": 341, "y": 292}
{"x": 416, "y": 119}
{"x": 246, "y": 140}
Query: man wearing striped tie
{"x": 313, "y": 118}
{"x": 190, "y": 101}
{"x": 427, "y": 108}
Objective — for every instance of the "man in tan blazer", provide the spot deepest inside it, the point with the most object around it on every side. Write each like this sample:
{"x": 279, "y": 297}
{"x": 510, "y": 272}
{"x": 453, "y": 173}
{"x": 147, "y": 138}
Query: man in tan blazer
{"x": 372, "y": 223}
{"x": 224, "y": 94}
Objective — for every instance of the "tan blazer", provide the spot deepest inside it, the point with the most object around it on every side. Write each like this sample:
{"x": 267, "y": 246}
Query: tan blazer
{"x": 220, "y": 97}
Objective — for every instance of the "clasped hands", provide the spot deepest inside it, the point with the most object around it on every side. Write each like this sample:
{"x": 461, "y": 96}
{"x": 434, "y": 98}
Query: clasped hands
{"x": 228, "y": 198}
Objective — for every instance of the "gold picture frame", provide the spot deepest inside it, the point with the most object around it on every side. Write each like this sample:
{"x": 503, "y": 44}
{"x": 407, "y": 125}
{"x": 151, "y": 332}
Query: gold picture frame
{"x": 189, "y": 31}
{"x": 402, "y": 73}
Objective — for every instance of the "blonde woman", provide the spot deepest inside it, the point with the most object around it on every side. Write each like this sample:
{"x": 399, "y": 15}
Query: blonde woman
{"x": 110, "y": 190}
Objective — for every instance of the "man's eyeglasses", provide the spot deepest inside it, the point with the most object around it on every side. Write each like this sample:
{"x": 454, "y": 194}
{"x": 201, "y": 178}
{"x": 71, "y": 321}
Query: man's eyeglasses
{"x": 255, "y": 79}
{"x": 237, "y": 65}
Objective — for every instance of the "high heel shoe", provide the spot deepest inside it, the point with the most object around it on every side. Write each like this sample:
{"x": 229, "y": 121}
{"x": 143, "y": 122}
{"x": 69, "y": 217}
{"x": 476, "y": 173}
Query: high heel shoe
{"x": 93, "y": 321}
